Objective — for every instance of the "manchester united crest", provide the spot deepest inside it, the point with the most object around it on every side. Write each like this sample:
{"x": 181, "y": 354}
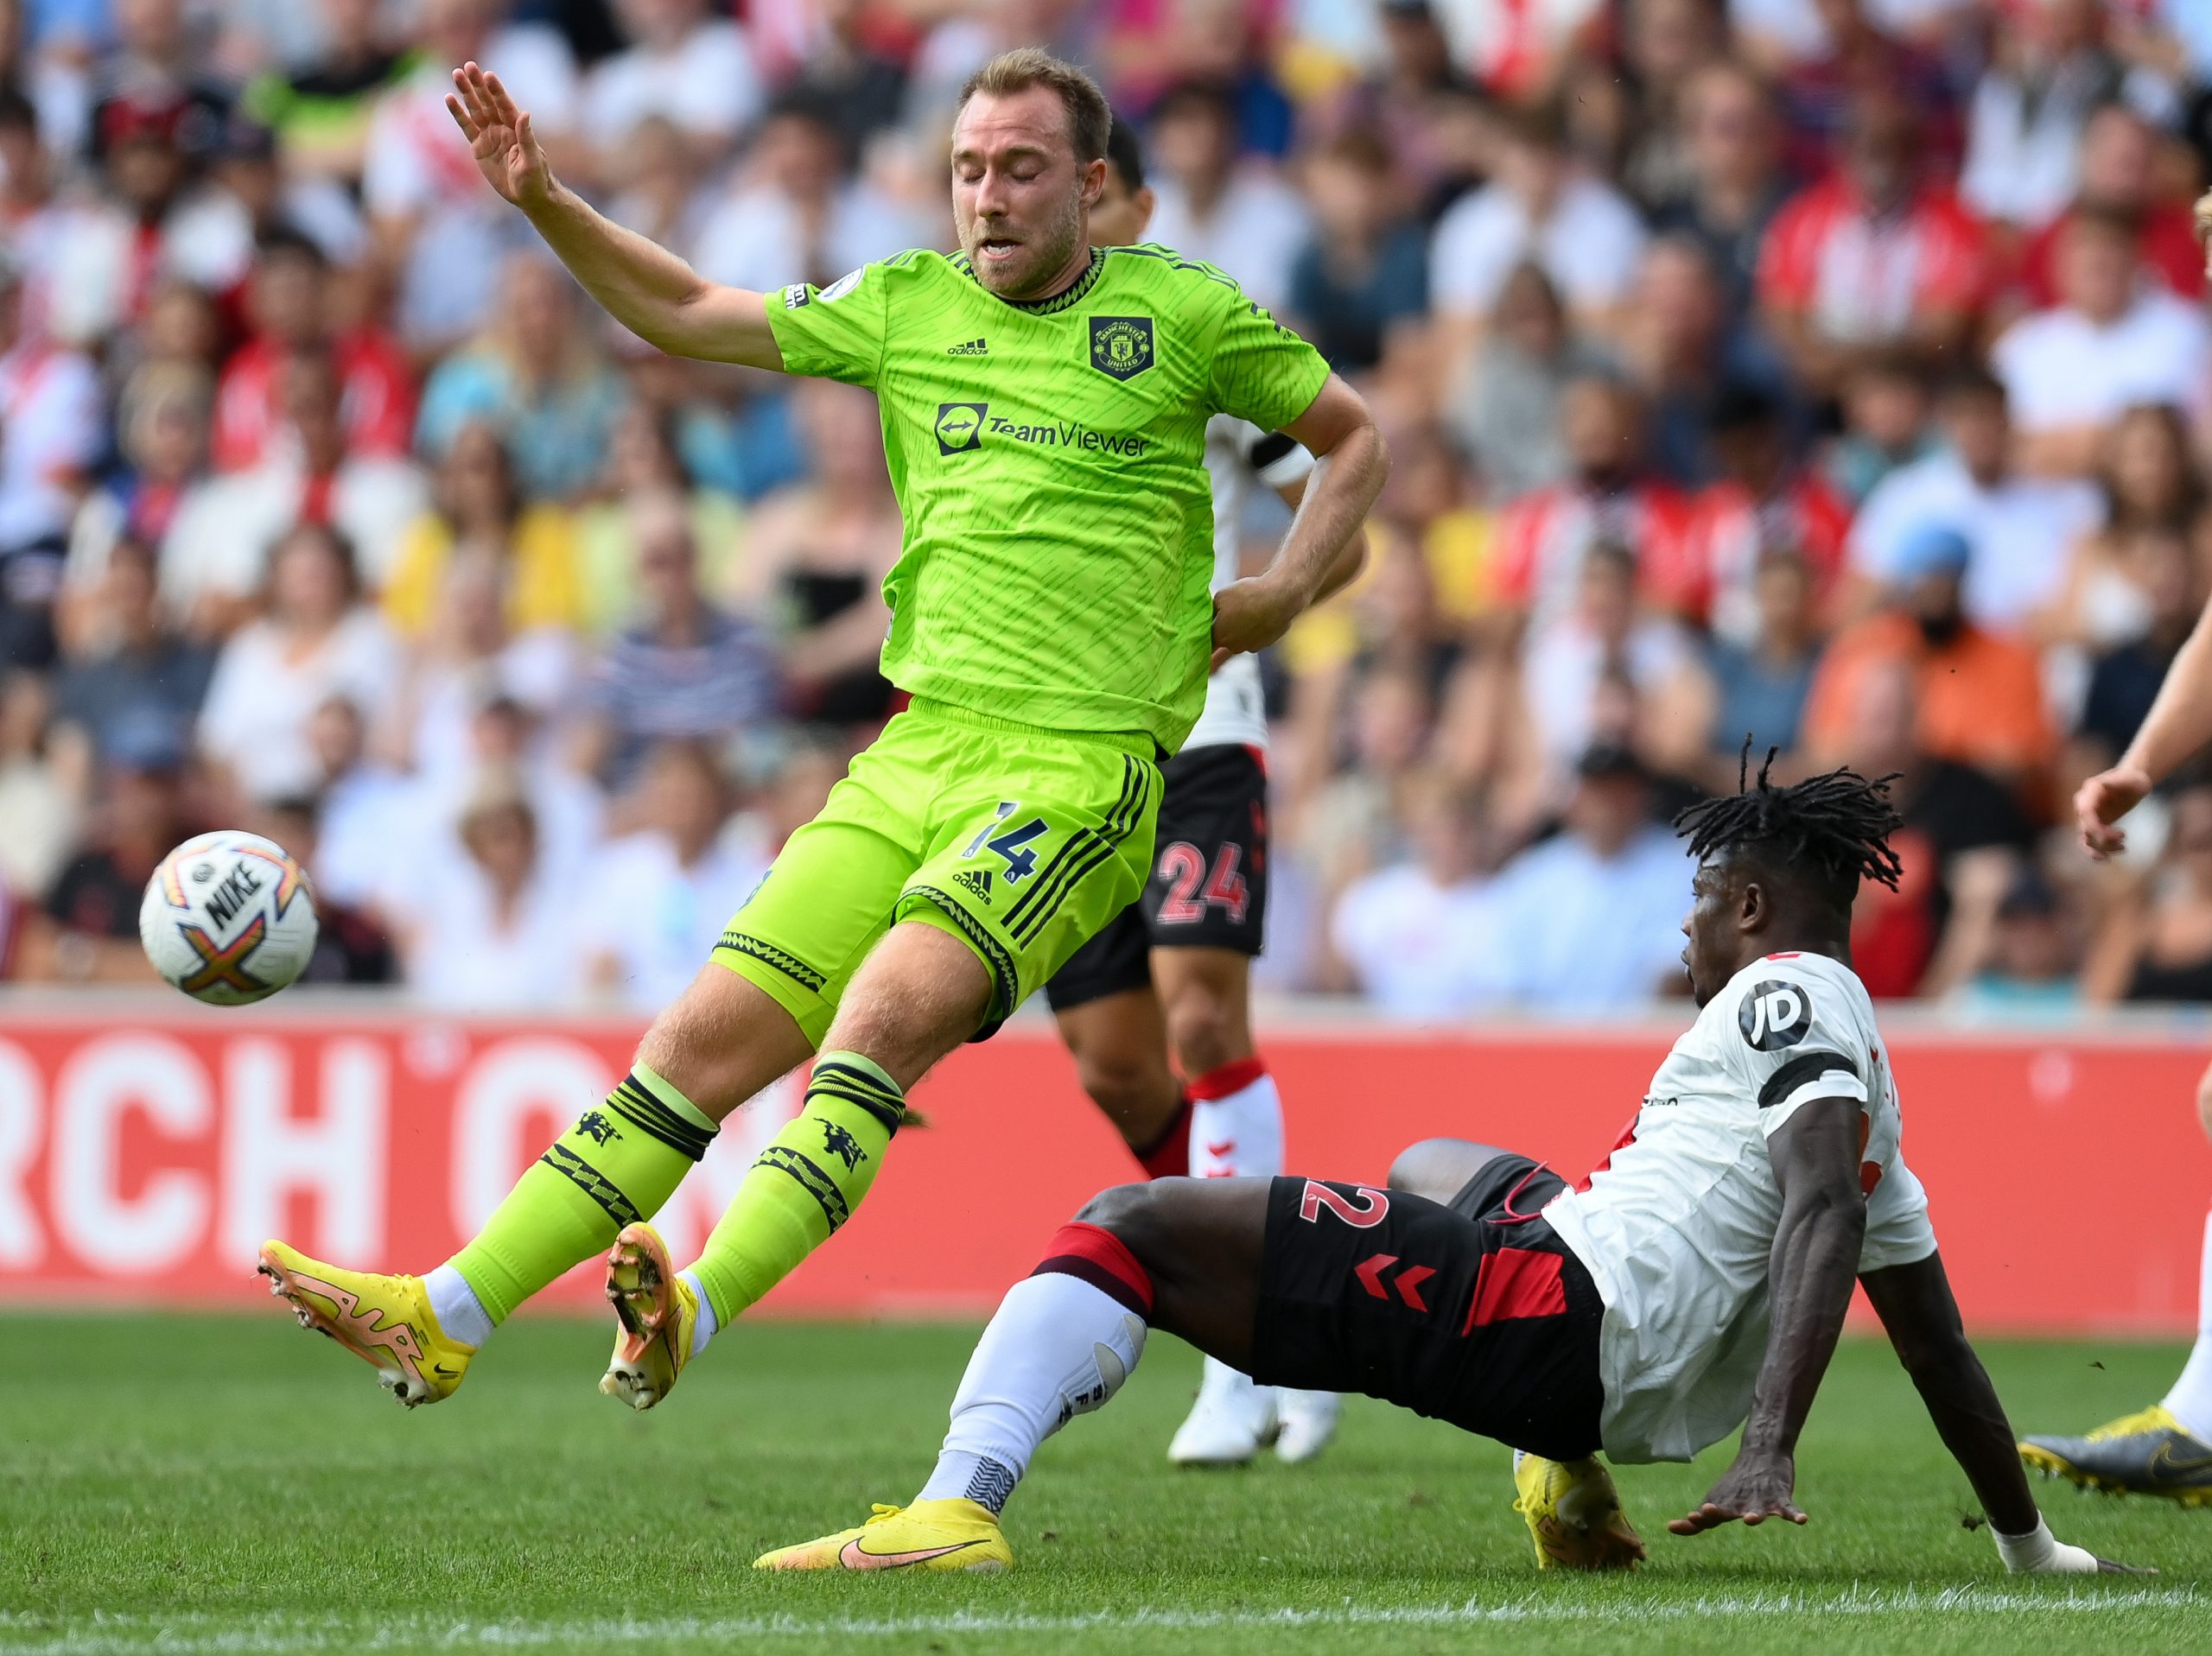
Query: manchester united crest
{"x": 1121, "y": 345}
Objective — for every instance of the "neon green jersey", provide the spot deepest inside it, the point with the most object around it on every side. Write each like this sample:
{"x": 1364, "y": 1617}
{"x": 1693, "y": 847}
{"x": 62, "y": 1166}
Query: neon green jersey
{"x": 1050, "y": 460}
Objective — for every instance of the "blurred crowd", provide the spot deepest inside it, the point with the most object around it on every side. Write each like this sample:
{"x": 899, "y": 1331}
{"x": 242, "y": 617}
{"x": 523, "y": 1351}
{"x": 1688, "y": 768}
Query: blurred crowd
{"x": 1826, "y": 377}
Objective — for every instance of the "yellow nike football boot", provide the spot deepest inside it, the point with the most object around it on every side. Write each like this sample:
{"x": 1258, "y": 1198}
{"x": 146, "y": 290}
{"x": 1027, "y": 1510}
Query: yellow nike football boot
{"x": 657, "y": 1310}
{"x": 928, "y": 1535}
{"x": 1574, "y": 1514}
{"x": 2147, "y": 1453}
{"x": 386, "y": 1321}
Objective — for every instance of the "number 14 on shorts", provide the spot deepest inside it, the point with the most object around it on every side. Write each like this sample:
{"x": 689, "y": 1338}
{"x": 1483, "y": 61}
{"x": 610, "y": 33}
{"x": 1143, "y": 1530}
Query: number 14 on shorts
{"x": 1012, "y": 845}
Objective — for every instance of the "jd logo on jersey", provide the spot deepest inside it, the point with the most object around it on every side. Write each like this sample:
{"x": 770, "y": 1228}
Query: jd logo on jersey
{"x": 1774, "y": 1015}
{"x": 960, "y": 427}
{"x": 1121, "y": 345}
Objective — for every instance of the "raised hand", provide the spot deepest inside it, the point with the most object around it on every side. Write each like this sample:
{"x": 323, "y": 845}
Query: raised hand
{"x": 2101, "y": 801}
{"x": 1757, "y": 1488}
{"x": 500, "y": 136}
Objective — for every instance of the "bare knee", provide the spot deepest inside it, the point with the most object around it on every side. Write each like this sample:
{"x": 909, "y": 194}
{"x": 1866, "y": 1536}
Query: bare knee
{"x": 1130, "y": 1213}
{"x": 1413, "y": 1161}
{"x": 1207, "y": 1024}
{"x": 1438, "y": 1168}
{"x": 1135, "y": 1092}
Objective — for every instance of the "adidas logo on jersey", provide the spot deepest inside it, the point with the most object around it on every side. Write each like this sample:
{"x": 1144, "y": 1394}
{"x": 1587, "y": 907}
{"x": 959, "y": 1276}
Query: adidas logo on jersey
{"x": 972, "y": 348}
{"x": 977, "y": 880}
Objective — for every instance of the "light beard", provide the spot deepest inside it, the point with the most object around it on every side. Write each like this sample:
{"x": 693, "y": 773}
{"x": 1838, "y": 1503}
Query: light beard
{"x": 1052, "y": 254}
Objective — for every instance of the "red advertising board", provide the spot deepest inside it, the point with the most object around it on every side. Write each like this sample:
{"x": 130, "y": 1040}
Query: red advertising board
{"x": 143, "y": 1155}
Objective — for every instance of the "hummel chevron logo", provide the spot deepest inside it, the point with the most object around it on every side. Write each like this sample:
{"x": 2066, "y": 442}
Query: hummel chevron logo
{"x": 1370, "y": 1270}
{"x": 972, "y": 348}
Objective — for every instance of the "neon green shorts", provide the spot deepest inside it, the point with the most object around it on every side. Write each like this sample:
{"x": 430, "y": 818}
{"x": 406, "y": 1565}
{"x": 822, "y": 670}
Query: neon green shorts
{"x": 1020, "y": 841}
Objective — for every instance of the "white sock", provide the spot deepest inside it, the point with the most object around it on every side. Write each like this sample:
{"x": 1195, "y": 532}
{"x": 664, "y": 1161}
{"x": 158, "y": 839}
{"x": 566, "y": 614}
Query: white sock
{"x": 2190, "y": 1401}
{"x": 703, "y": 1330}
{"x": 460, "y": 1313}
{"x": 1236, "y": 1122}
{"x": 2040, "y": 1552}
{"x": 1059, "y": 1348}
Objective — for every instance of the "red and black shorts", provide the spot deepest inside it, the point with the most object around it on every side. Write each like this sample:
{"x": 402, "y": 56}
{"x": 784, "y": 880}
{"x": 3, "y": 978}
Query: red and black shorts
{"x": 1208, "y": 884}
{"x": 1473, "y": 1311}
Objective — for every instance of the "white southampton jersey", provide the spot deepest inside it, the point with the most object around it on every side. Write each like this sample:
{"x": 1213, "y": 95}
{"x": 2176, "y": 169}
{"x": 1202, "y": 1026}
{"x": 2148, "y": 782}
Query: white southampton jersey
{"x": 1676, "y": 1225}
{"x": 1239, "y": 454}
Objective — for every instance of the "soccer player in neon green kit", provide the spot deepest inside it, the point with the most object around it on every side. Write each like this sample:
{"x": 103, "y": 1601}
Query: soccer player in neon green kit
{"x": 1044, "y": 406}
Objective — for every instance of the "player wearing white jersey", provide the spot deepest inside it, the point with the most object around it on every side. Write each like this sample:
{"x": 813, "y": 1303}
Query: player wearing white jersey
{"x": 1166, "y": 984}
{"x": 1695, "y": 1282}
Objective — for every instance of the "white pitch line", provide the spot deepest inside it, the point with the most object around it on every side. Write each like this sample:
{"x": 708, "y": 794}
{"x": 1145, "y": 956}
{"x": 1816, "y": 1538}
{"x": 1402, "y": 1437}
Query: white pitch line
{"x": 190, "y": 1635}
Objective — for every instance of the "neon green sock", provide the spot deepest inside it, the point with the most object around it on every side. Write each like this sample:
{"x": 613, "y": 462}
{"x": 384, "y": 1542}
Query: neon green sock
{"x": 804, "y": 1185}
{"x": 618, "y": 1165}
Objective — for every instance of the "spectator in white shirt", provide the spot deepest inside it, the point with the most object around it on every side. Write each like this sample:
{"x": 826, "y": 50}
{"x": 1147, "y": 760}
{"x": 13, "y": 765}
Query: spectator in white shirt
{"x": 794, "y": 216}
{"x": 694, "y": 70}
{"x": 2112, "y": 342}
{"x": 216, "y": 552}
{"x": 2024, "y": 127}
{"x": 1232, "y": 212}
{"x": 1594, "y": 914}
{"x": 1422, "y": 937}
{"x": 2020, "y": 530}
{"x": 50, "y": 425}
{"x": 1541, "y": 207}
{"x": 1606, "y": 636}
{"x": 491, "y": 930}
{"x": 364, "y": 807}
{"x": 420, "y": 185}
{"x": 662, "y": 894}
{"x": 315, "y": 640}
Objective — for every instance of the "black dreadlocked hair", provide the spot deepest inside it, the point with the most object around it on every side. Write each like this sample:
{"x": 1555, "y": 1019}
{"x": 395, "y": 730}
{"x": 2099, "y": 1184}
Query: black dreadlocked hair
{"x": 1835, "y": 827}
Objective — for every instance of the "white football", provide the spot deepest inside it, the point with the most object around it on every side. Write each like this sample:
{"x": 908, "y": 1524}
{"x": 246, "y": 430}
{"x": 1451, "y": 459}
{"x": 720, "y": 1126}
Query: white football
{"x": 228, "y": 917}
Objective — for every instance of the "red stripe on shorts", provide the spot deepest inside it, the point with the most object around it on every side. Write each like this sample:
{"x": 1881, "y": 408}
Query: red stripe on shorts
{"x": 1515, "y": 1282}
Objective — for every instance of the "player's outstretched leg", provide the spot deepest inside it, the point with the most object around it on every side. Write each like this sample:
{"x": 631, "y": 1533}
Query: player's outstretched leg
{"x": 618, "y": 1165}
{"x": 919, "y": 994}
{"x": 2164, "y": 1450}
{"x": 1180, "y": 1254}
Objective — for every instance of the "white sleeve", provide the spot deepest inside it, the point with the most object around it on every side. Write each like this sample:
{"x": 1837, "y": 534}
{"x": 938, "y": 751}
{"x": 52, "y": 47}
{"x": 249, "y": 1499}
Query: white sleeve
{"x": 1467, "y": 265}
{"x": 1276, "y": 457}
{"x": 1797, "y": 1041}
{"x": 1898, "y": 1231}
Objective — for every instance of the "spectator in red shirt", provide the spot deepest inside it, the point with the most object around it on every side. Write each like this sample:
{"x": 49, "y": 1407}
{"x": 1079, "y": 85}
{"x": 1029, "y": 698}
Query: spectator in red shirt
{"x": 1608, "y": 497}
{"x": 1875, "y": 256}
{"x": 2120, "y": 175}
{"x": 1763, "y": 503}
{"x": 288, "y": 302}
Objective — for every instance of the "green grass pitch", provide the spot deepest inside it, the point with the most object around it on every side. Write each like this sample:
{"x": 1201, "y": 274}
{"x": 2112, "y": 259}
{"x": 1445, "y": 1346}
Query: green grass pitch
{"x": 224, "y": 1485}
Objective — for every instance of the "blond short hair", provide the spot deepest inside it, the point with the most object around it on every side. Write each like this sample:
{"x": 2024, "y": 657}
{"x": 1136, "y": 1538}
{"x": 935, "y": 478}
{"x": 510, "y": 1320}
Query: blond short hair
{"x": 1091, "y": 118}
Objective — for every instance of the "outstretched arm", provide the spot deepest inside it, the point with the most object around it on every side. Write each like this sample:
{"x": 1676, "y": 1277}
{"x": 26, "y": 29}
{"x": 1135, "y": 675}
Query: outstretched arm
{"x": 1810, "y": 1270}
{"x": 1351, "y": 463}
{"x": 644, "y": 287}
{"x": 1915, "y": 1303}
{"x": 2178, "y": 724}
{"x": 2180, "y": 720}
